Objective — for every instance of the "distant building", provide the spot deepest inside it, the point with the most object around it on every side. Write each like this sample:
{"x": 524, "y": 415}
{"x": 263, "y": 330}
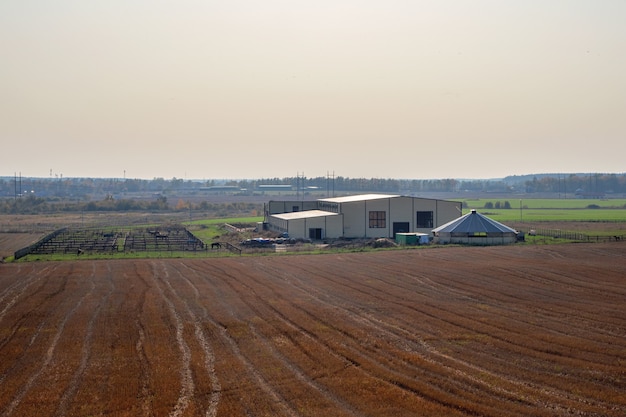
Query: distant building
{"x": 274, "y": 187}
{"x": 359, "y": 216}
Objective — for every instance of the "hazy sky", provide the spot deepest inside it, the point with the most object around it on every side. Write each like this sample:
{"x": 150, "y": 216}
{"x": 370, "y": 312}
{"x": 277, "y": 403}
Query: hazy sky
{"x": 249, "y": 89}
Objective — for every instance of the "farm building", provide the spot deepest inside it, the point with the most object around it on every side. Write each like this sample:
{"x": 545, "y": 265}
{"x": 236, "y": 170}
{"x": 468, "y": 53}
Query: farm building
{"x": 359, "y": 216}
{"x": 475, "y": 229}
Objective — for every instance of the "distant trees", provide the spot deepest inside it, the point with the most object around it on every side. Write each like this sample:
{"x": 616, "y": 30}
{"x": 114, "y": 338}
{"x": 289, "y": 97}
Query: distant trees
{"x": 581, "y": 183}
{"x": 40, "y": 195}
{"x": 498, "y": 205}
{"x": 38, "y": 205}
{"x": 24, "y": 205}
{"x": 98, "y": 187}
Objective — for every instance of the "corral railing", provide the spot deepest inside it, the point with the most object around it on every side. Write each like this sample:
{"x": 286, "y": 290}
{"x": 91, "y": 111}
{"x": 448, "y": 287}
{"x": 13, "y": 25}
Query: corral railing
{"x": 582, "y": 237}
{"x": 231, "y": 247}
{"x": 20, "y": 253}
{"x": 80, "y": 241}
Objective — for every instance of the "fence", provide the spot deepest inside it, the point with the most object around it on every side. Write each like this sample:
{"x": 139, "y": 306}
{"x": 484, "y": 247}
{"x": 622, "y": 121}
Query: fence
{"x": 79, "y": 241}
{"x": 20, "y": 253}
{"x": 581, "y": 237}
{"x": 227, "y": 246}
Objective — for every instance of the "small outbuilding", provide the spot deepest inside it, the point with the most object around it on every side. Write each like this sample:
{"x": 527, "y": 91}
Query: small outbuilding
{"x": 312, "y": 224}
{"x": 475, "y": 229}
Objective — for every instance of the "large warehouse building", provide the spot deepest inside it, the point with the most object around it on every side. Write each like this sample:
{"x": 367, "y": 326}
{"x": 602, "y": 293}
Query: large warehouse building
{"x": 359, "y": 216}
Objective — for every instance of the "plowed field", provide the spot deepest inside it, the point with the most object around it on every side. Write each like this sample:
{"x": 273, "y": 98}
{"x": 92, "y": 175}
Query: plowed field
{"x": 500, "y": 331}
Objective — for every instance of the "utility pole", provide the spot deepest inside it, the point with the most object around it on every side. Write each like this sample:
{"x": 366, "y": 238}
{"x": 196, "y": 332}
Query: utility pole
{"x": 330, "y": 180}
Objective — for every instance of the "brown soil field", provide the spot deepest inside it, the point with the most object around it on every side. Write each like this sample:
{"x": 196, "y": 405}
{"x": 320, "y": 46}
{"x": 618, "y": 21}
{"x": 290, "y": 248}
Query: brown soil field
{"x": 484, "y": 331}
{"x": 10, "y": 242}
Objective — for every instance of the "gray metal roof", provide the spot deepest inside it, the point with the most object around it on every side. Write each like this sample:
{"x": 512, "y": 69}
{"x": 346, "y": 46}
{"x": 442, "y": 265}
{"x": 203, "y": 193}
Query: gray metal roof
{"x": 474, "y": 222}
{"x": 305, "y": 214}
{"x": 358, "y": 197}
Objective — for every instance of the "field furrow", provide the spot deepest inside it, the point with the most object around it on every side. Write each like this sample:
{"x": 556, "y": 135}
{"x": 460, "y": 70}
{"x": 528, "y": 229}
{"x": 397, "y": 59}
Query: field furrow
{"x": 381, "y": 366}
{"x": 502, "y": 331}
{"x": 208, "y": 359}
{"x": 86, "y": 351}
{"x": 37, "y": 384}
{"x": 184, "y": 365}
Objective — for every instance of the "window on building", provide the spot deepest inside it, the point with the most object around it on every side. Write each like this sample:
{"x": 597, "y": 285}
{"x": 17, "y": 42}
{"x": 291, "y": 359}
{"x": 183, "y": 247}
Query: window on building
{"x": 378, "y": 219}
{"x": 424, "y": 220}
{"x": 333, "y": 207}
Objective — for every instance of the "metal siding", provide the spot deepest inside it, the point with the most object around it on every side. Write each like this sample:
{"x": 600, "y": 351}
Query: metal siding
{"x": 401, "y": 211}
{"x": 448, "y": 211}
{"x": 334, "y": 226}
{"x": 286, "y": 206}
{"x": 354, "y": 219}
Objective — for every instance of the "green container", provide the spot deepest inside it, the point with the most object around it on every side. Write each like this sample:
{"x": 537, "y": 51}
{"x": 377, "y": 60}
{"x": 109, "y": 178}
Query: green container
{"x": 407, "y": 238}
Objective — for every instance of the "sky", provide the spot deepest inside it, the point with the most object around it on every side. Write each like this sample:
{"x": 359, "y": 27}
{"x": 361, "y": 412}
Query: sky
{"x": 201, "y": 89}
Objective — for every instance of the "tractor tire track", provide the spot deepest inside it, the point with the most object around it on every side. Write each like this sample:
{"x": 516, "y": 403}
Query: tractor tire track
{"x": 519, "y": 333}
{"x": 48, "y": 356}
{"x": 549, "y": 393}
{"x": 26, "y": 315}
{"x": 74, "y": 385}
{"x": 10, "y": 288}
{"x": 187, "y": 384}
{"x": 18, "y": 289}
{"x": 510, "y": 394}
{"x": 277, "y": 399}
{"x": 506, "y": 309}
{"x": 368, "y": 361}
{"x": 304, "y": 378}
{"x": 209, "y": 356}
{"x": 146, "y": 393}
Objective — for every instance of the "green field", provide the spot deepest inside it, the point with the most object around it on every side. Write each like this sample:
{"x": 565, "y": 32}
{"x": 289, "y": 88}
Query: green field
{"x": 545, "y": 203}
{"x": 209, "y": 230}
{"x": 544, "y": 210}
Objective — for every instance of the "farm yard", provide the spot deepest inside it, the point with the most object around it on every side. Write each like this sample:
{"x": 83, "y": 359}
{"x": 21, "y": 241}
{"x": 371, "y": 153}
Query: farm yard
{"x": 530, "y": 330}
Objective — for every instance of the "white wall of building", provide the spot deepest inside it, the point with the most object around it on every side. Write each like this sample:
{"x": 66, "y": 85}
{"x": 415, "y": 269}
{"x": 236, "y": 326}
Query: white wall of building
{"x": 331, "y": 227}
{"x": 355, "y": 220}
{"x": 397, "y": 210}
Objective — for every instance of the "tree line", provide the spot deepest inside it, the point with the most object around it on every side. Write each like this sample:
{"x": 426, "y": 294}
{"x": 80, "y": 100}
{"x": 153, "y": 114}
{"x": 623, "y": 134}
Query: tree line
{"x": 87, "y": 187}
{"x": 102, "y": 194}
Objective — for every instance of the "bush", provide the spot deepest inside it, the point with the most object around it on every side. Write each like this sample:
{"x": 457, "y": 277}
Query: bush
{"x": 488, "y": 205}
